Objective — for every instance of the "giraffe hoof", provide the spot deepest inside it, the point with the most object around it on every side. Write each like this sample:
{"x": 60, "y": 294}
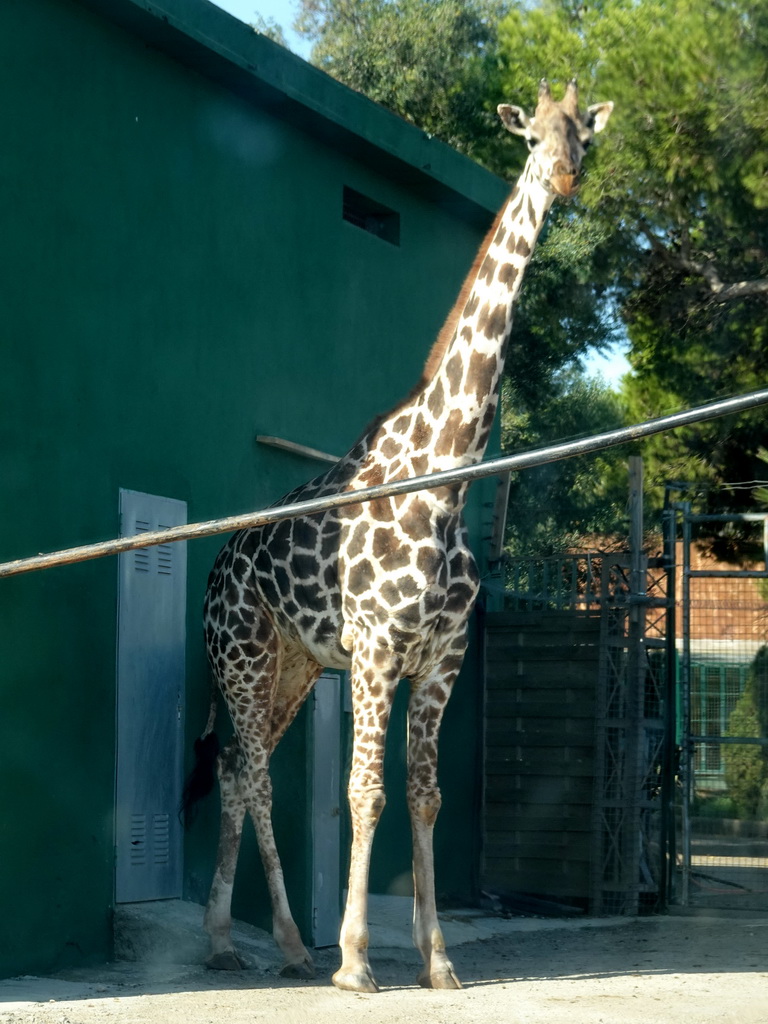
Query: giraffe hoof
{"x": 304, "y": 970}
{"x": 444, "y": 978}
{"x": 355, "y": 981}
{"x": 226, "y": 961}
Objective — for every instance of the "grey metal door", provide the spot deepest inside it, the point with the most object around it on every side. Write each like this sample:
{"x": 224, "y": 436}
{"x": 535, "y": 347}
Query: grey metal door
{"x": 151, "y": 637}
{"x": 326, "y": 818}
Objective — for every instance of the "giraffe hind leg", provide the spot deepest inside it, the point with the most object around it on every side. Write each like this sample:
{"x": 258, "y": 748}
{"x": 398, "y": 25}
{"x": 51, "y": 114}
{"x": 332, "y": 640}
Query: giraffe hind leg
{"x": 218, "y": 913}
{"x": 263, "y": 684}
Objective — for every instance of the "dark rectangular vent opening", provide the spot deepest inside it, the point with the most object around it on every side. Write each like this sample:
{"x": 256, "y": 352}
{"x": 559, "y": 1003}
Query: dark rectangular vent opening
{"x": 371, "y": 216}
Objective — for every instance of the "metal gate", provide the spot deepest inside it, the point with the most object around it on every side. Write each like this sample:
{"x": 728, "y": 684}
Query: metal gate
{"x": 576, "y": 709}
{"x": 723, "y": 648}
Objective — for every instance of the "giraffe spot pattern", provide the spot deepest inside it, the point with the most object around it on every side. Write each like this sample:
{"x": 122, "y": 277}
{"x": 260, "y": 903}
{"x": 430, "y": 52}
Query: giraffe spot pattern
{"x": 381, "y": 510}
{"x": 356, "y": 543}
{"x": 361, "y": 576}
{"x": 492, "y": 322}
{"x": 456, "y": 436}
{"x": 436, "y": 402}
{"x": 416, "y": 523}
{"x": 522, "y": 248}
{"x": 488, "y": 269}
{"x": 390, "y": 448}
{"x": 482, "y": 374}
{"x": 421, "y": 434}
{"x": 374, "y": 475}
{"x": 420, "y": 465}
{"x": 453, "y": 372}
{"x": 508, "y": 274}
{"x": 384, "y": 587}
{"x": 304, "y": 534}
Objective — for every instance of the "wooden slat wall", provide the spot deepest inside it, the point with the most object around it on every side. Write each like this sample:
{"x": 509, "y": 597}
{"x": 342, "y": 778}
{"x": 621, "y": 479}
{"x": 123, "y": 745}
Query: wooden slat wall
{"x": 541, "y": 678}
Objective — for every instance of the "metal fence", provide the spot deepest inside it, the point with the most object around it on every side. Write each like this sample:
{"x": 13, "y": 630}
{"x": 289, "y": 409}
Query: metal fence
{"x": 556, "y": 583}
{"x": 724, "y": 722}
{"x": 627, "y": 695}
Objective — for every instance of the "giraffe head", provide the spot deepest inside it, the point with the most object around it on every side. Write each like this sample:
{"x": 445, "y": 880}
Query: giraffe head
{"x": 558, "y": 135}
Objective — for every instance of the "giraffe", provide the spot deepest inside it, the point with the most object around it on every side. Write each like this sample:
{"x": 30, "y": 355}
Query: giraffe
{"x": 383, "y": 589}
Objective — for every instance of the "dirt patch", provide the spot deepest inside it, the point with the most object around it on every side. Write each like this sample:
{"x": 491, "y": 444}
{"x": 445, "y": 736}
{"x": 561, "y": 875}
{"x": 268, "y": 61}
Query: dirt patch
{"x": 648, "y": 971}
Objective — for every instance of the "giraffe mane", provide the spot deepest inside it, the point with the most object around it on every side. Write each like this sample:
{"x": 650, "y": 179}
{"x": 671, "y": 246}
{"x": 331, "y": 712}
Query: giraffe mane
{"x": 447, "y": 331}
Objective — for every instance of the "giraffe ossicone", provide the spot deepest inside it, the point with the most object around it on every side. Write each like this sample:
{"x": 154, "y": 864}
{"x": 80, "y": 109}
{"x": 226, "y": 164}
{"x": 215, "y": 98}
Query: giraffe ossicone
{"x": 383, "y": 589}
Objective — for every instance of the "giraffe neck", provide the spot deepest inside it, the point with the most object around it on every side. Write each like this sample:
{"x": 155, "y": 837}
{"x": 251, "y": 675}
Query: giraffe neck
{"x": 447, "y": 421}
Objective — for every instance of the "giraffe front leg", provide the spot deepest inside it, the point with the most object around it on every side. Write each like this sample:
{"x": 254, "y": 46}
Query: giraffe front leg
{"x": 355, "y": 974}
{"x": 372, "y": 704}
{"x": 425, "y": 711}
{"x": 218, "y": 913}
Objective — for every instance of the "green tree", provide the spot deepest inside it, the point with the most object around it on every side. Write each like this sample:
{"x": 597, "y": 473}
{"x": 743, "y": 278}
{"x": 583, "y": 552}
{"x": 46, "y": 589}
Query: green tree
{"x": 746, "y": 767}
{"x": 436, "y": 63}
{"x": 553, "y": 507}
{"x": 669, "y": 236}
{"x": 270, "y": 28}
{"x": 679, "y": 194}
{"x": 427, "y": 60}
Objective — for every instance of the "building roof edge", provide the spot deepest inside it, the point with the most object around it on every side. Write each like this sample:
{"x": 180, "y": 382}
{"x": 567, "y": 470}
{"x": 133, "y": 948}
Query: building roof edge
{"x": 225, "y": 49}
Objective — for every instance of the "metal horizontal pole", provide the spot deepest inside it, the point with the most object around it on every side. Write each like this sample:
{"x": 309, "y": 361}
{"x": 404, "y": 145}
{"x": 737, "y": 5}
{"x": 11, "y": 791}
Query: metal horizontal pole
{"x": 464, "y": 474}
{"x": 295, "y": 448}
{"x": 731, "y": 574}
{"x": 733, "y": 741}
{"x": 730, "y": 517}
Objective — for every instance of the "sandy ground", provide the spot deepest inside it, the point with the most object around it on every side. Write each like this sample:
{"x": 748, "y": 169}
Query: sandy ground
{"x": 669, "y": 970}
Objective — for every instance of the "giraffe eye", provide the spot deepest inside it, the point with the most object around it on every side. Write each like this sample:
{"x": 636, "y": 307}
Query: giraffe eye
{"x": 586, "y": 143}
{"x": 532, "y": 143}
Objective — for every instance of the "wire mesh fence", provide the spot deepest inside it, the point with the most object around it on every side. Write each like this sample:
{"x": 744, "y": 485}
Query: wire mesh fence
{"x": 724, "y": 812}
{"x": 561, "y": 582}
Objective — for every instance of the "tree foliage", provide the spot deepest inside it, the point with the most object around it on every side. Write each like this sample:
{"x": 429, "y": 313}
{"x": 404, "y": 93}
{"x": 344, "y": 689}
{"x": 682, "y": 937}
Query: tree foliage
{"x": 423, "y": 59}
{"x": 667, "y": 242}
{"x": 746, "y": 766}
{"x": 269, "y": 27}
{"x": 553, "y": 507}
{"x": 680, "y": 192}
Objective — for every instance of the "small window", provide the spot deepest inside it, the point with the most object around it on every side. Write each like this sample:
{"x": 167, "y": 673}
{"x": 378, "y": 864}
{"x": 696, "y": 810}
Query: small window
{"x": 371, "y": 216}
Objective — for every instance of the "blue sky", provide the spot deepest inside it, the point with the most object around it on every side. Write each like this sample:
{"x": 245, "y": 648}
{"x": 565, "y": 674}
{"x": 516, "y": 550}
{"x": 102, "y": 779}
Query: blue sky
{"x": 281, "y": 11}
{"x": 610, "y": 366}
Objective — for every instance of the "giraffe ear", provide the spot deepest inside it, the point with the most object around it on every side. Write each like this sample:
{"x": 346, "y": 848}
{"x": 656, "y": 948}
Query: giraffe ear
{"x": 515, "y": 119}
{"x": 597, "y": 116}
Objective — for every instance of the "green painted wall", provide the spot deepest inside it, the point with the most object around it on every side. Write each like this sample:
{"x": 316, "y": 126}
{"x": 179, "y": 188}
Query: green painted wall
{"x": 177, "y": 279}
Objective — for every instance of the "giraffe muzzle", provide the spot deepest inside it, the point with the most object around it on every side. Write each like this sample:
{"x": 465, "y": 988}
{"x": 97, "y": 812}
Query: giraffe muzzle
{"x": 565, "y": 185}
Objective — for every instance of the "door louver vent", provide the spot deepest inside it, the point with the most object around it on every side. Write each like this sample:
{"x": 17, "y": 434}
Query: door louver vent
{"x": 141, "y": 555}
{"x": 164, "y": 556}
{"x": 138, "y": 840}
{"x": 161, "y": 838}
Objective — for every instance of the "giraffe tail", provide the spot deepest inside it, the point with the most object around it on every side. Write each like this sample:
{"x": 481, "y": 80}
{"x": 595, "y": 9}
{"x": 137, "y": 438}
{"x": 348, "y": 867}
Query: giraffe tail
{"x": 202, "y": 778}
